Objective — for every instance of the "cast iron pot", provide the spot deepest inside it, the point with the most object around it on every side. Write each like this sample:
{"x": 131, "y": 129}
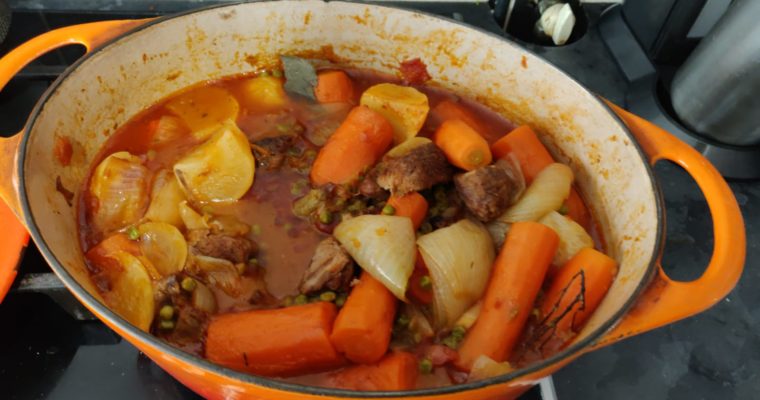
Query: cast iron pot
{"x": 133, "y": 64}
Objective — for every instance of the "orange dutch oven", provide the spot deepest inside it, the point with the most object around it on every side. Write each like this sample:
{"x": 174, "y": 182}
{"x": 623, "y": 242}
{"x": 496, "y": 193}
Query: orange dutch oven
{"x": 132, "y": 64}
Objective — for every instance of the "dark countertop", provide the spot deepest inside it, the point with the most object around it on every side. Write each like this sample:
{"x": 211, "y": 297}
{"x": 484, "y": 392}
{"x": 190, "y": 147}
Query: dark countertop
{"x": 714, "y": 355}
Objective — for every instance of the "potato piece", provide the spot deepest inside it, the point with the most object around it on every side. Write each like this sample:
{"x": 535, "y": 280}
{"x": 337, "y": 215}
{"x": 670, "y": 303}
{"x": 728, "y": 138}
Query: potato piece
{"x": 407, "y": 146}
{"x": 165, "y": 198}
{"x": 264, "y": 93}
{"x": 204, "y": 108}
{"x": 168, "y": 129}
{"x": 191, "y": 218}
{"x": 131, "y": 294}
{"x": 119, "y": 184}
{"x": 164, "y": 246}
{"x": 219, "y": 170}
{"x": 404, "y": 107}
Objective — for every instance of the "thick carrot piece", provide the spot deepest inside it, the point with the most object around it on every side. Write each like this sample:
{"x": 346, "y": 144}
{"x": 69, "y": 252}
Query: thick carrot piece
{"x": 529, "y": 151}
{"x": 334, "y": 87}
{"x": 462, "y": 145}
{"x": 517, "y": 275}
{"x": 575, "y": 292}
{"x": 396, "y": 371}
{"x": 363, "y": 327}
{"x": 356, "y": 145}
{"x": 281, "y": 342}
{"x": 447, "y": 110}
{"x": 412, "y": 205}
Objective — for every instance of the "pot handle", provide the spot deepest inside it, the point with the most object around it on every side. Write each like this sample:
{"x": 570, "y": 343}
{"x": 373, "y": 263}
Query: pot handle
{"x": 666, "y": 300}
{"x": 15, "y": 236}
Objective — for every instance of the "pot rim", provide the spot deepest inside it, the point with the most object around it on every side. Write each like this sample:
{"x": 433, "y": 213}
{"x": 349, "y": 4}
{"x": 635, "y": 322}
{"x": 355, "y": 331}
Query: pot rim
{"x": 103, "y": 312}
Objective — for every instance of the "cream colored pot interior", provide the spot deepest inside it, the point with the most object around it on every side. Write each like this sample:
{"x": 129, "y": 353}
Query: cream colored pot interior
{"x": 138, "y": 70}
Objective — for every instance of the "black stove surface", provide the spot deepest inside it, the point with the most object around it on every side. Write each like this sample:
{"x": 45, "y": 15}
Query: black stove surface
{"x": 52, "y": 352}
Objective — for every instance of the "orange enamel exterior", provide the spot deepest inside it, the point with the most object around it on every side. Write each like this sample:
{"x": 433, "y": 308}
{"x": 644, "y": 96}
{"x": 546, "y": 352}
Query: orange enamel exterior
{"x": 15, "y": 236}
{"x": 664, "y": 301}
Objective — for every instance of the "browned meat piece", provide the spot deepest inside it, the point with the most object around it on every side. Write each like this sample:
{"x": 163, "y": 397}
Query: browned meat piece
{"x": 419, "y": 169}
{"x": 271, "y": 152}
{"x": 235, "y": 249}
{"x": 487, "y": 191}
{"x": 165, "y": 289}
{"x": 369, "y": 187}
{"x": 330, "y": 268}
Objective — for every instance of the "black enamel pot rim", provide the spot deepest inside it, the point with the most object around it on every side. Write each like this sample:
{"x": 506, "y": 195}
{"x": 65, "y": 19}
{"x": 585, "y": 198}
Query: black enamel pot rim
{"x": 149, "y": 340}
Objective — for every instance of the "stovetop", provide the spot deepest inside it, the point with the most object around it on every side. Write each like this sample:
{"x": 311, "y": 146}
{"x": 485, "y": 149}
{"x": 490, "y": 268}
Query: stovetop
{"x": 51, "y": 349}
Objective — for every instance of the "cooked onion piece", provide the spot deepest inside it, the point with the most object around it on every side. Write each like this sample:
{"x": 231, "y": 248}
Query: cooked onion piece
{"x": 547, "y": 193}
{"x": 467, "y": 320}
{"x": 168, "y": 129}
{"x": 203, "y": 298}
{"x": 131, "y": 292}
{"x": 459, "y": 258}
{"x": 383, "y": 246}
{"x": 219, "y": 272}
{"x": 204, "y": 108}
{"x": 119, "y": 185}
{"x": 485, "y": 367}
{"x": 219, "y": 170}
{"x": 572, "y": 237}
{"x": 164, "y": 246}
{"x": 191, "y": 218}
{"x": 164, "y": 199}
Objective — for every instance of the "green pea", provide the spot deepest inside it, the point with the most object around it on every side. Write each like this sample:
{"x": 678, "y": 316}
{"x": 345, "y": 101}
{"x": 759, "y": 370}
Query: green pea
{"x": 426, "y": 366}
{"x": 426, "y": 283}
{"x": 301, "y": 299}
{"x": 341, "y": 300}
{"x": 389, "y": 210}
{"x": 283, "y": 128}
{"x": 327, "y": 296}
{"x": 166, "y": 312}
{"x": 188, "y": 284}
{"x": 403, "y": 320}
{"x": 450, "y": 342}
{"x": 458, "y": 332}
{"x": 166, "y": 325}
{"x": 325, "y": 217}
{"x": 241, "y": 268}
{"x": 133, "y": 233}
{"x": 356, "y": 205}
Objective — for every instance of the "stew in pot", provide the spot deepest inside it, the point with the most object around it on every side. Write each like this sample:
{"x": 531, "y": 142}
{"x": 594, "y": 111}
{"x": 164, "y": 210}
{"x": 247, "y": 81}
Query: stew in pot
{"x": 341, "y": 227}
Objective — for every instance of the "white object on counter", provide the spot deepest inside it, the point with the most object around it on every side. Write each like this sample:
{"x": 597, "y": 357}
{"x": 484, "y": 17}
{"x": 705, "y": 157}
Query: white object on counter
{"x": 558, "y": 22}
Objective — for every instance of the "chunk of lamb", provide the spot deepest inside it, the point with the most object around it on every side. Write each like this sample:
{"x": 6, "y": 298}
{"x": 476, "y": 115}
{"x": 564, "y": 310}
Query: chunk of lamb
{"x": 331, "y": 268}
{"x": 488, "y": 191}
{"x": 235, "y": 249}
{"x": 419, "y": 169}
{"x": 368, "y": 187}
{"x": 271, "y": 152}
